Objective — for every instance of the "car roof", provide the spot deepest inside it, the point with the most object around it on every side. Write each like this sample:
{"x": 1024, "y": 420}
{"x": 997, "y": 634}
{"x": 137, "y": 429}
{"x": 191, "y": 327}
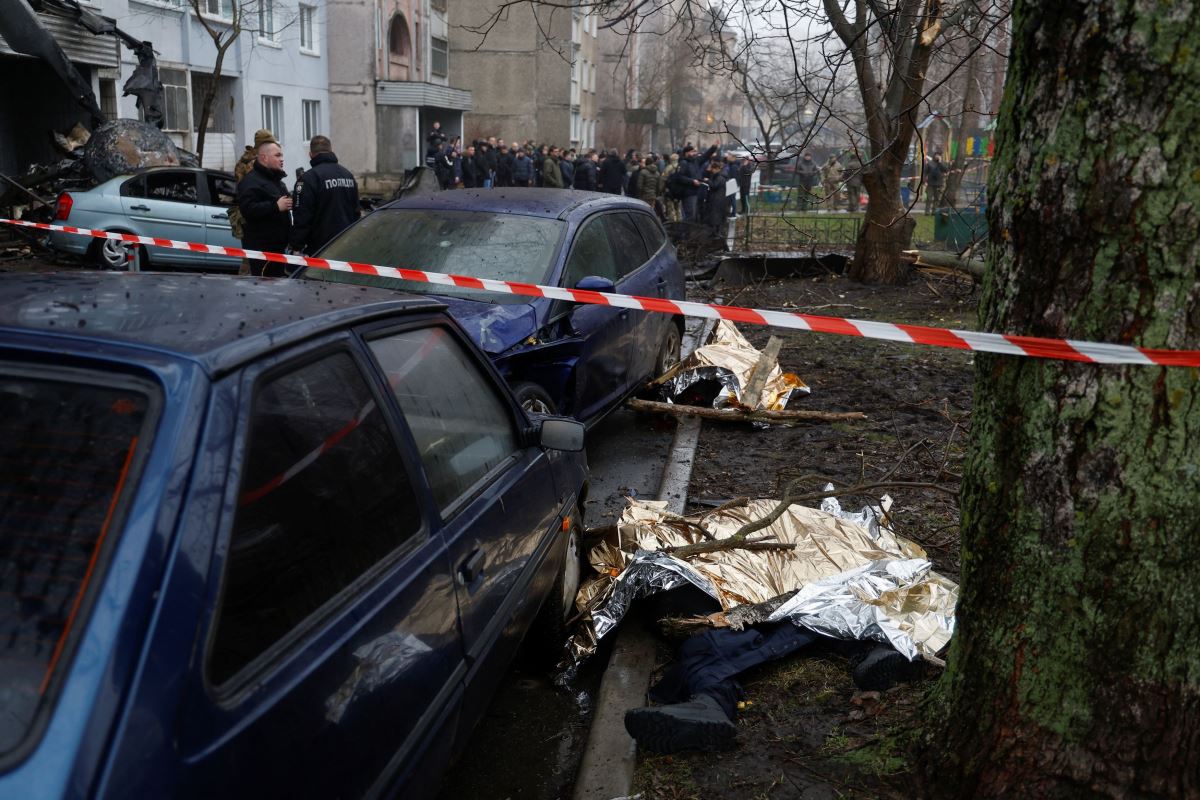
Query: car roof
{"x": 220, "y": 321}
{"x": 547, "y": 203}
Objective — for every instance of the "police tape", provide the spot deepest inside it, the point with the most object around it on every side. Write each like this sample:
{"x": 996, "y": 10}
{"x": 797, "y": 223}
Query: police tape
{"x": 1001, "y": 343}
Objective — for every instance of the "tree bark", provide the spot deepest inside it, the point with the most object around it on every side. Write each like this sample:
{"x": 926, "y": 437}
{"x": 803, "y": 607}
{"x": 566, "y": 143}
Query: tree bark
{"x": 1075, "y": 669}
{"x": 886, "y": 231}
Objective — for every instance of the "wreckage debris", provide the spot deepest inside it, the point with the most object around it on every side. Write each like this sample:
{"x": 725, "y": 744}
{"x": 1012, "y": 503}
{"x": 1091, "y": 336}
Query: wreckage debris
{"x": 729, "y": 380}
{"x": 124, "y": 146}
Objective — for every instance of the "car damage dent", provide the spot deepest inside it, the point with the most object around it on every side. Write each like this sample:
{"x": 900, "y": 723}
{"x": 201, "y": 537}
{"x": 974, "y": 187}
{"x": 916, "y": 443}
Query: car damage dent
{"x": 496, "y": 328}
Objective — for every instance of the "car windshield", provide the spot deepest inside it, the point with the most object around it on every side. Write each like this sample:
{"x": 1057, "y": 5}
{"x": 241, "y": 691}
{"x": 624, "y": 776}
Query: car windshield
{"x": 66, "y": 451}
{"x": 477, "y": 244}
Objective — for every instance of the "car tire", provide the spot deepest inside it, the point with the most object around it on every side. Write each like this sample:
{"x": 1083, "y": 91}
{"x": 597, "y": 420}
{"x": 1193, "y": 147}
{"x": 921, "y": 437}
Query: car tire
{"x": 550, "y": 629}
{"x": 668, "y": 351}
{"x": 114, "y": 255}
{"x": 533, "y": 398}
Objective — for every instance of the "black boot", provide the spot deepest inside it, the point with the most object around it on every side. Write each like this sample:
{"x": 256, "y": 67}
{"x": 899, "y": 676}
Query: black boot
{"x": 882, "y": 668}
{"x": 699, "y": 724}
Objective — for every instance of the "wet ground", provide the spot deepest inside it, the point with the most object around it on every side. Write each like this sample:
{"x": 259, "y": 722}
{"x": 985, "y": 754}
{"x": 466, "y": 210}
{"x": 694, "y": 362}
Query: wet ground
{"x": 530, "y": 742}
{"x": 805, "y": 731}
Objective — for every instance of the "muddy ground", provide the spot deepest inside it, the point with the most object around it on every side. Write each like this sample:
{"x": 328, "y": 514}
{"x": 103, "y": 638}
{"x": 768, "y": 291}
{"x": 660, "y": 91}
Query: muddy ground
{"x": 805, "y": 731}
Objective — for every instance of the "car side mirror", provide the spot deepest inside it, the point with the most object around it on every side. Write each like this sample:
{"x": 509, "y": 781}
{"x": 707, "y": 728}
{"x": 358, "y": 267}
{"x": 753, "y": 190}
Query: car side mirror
{"x": 561, "y": 434}
{"x": 594, "y": 283}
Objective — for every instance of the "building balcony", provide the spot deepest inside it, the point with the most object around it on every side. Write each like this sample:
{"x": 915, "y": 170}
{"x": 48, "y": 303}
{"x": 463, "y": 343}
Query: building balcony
{"x": 418, "y": 93}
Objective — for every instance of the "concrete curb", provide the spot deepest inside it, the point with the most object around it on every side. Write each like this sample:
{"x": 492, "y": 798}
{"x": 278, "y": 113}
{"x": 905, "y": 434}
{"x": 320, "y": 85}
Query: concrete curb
{"x": 610, "y": 756}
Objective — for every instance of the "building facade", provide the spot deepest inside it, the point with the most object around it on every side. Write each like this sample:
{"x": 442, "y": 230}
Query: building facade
{"x": 389, "y": 81}
{"x": 532, "y": 71}
{"x": 274, "y": 75}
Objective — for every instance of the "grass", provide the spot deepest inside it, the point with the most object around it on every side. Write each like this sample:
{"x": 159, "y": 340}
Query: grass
{"x": 786, "y": 225}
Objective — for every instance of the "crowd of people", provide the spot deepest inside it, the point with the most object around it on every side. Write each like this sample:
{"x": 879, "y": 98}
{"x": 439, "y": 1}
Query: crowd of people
{"x": 686, "y": 185}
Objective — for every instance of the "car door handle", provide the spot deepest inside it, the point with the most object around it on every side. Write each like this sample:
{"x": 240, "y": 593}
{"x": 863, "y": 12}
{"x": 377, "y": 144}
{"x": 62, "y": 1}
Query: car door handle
{"x": 139, "y": 208}
{"x": 472, "y": 568}
{"x": 220, "y": 216}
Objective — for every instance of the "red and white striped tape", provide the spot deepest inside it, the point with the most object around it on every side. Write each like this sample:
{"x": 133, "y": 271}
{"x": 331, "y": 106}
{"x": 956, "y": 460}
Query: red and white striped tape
{"x": 1005, "y": 344}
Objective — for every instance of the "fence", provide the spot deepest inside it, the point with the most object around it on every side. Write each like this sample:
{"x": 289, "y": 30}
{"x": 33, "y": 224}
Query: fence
{"x": 767, "y": 230}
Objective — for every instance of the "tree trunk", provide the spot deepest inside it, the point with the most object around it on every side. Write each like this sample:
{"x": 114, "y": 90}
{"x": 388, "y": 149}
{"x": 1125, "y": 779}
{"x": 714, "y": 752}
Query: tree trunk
{"x": 886, "y": 230}
{"x": 1075, "y": 670}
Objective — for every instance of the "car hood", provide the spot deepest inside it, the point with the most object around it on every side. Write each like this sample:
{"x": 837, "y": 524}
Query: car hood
{"x": 495, "y": 328}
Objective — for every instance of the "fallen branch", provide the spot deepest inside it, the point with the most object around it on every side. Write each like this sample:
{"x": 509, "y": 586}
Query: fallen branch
{"x": 752, "y": 394}
{"x": 933, "y": 258}
{"x": 738, "y": 540}
{"x": 785, "y": 417}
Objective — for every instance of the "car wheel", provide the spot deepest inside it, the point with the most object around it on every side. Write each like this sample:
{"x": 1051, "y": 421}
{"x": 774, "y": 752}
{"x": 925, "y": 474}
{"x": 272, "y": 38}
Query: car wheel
{"x": 114, "y": 254}
{"x": 668, "y": 352}
{"x": 533, "y": 398}
{"x": 551, "y": 629}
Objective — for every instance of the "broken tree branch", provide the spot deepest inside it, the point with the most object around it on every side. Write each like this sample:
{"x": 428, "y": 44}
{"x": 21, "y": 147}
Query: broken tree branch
{"x": 971, "y": 266}
{"x": 752, "y": 394}
{"x": 785, "y": 417}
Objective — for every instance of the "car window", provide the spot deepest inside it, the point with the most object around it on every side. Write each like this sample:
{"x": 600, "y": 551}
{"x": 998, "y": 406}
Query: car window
{"x": 628, "y": 247}
{"x": 652, "y": 232}
{"x": 134, "y": 187}
{"x": 67, "y": 464}
{"x": 462, "y": 428}
{"x": 477, "y": 244}
{"x": 324, "y": 496}
{"x": 179, "y": 187}
{"x": 222, "y": 191}
{"x": 592, "y": 254}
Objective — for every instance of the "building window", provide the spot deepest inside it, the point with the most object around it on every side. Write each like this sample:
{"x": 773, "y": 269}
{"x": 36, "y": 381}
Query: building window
{"x": 576, "y": 128}
{"x": 312, "y": 118}
{"x": 439, "y": 54}
{"x": 272, "y": 115}
{"x": 592, "y": 78}
{"x": 220, "y": 115}
{"x": 398, "y": 42}
{"x": 308, "y": 31}
{"x": 175, "y": 99}
{"x": 437, "y": 5}
{"x": 577, "y": 66}
{"x": 108, "y": 98}
{"x": 222, "y": 9}
{"x": 266, "y": 20}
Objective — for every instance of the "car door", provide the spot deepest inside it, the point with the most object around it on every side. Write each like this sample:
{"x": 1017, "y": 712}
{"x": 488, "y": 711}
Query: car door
{"x": 332, "y": 661}
{"x": 165, "y": 204}
{"x": 635, "y": 276}
{"x": 220, "y": 195}
{"x": 497, "y": 499}
{"x": 602, "y": 371}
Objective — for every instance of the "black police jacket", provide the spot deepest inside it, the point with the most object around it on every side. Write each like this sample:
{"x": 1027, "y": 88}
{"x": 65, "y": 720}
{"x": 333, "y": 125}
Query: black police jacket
{"x": 326, "y": 202}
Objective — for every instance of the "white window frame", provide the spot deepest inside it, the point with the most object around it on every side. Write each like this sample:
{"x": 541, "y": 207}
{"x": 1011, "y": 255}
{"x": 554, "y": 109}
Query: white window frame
{"x": 224, "y": 12}
{"x": 433, "y": 49}
{"x": 308, "y": 12}
{"x": 266, "y": 22}
{"x": 310, "y": 113}
{"x": 272, "y": 106}
{"x": 591, "y": 78}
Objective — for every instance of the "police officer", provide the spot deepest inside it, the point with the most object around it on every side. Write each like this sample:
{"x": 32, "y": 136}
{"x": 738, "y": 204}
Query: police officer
{"x": 326, "y": 199}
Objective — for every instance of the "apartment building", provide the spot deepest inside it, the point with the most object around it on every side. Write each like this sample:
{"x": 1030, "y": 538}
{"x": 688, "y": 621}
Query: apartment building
{"x": 532, "y": 71}
{"x": 389, "y": 81}
{"x": 274, "y": 75}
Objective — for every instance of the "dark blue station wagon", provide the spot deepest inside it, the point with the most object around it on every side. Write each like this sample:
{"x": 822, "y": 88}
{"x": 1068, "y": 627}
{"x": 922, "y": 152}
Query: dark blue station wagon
{"x": 260, "y": 538}
{"x": 559, "y": 357}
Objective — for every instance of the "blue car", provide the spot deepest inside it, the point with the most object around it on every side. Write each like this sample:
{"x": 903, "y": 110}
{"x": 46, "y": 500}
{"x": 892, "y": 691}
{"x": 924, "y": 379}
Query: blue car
{"x": 261, "y": 538}
{"x": 559, "y": 357}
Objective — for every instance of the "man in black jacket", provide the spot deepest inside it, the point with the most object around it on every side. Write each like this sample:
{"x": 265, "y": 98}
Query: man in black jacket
{"x": 612, "y": 174}
{"x": 265, "y": 205}
{"x": 689, "y": 177}
{"x": 585, "y": 172}
{"x": 326, "y": 199}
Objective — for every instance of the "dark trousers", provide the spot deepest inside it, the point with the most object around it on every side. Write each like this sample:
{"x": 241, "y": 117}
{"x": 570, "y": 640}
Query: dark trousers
{"x": 709, "y": 661}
